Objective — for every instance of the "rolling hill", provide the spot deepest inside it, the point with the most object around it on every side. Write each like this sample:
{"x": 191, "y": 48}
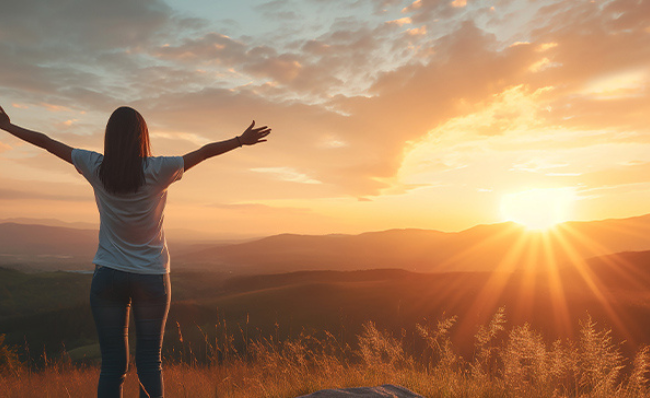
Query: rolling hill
{"x": 38, "y": 247}
{"x": 504, "y": 247}
{"x": 484, "y": 248}
{"x": 56, "y": 245}
{"x": 51, "y": 309}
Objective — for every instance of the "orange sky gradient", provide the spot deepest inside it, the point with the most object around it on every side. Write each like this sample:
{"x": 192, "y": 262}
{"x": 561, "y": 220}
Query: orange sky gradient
{"x": 385, "y": 114}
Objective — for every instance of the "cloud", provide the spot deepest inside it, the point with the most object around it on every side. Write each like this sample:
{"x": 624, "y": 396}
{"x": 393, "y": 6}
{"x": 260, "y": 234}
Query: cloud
{"x": 415, "y": 98}
{"x": 401, "y": 21}
{"x": 422, "y": 30}
{"x": 581, "y": 44}
{"x": 423, "y": 11}
{"x": 55, "y": 108}
{"x": 211, "y": 48}
{"x": 287, "y": 174}
{"x": 276, "y": 9}
{"x": 603, "y": 55}
{"x": 459, "y": 3}
{"x": 82, "y": 24}
{"x": 80, "y": 53}
{"x": 344, "y": 104}
{"x": 335, "y": 62}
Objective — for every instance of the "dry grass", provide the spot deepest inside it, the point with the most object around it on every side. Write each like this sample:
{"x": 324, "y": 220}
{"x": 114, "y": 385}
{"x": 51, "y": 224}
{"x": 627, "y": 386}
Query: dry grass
{"x": 507, "y": 363}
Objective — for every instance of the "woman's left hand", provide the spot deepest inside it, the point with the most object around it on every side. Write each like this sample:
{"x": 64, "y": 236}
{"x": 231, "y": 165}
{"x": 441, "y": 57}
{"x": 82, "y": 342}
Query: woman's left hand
{"x": 5, "y": 122}
{"x": 254, "y": 135}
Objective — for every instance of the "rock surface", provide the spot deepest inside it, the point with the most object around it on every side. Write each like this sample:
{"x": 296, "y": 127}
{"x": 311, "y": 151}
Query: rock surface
{"x": 385, "y": 391}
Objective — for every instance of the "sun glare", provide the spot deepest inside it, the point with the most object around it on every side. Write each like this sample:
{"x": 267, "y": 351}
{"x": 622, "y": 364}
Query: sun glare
{"x": 538, "y": 209}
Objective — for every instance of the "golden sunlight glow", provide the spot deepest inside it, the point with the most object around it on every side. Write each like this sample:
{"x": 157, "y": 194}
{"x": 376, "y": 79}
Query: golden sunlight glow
{"x": 619, "y": 85}
{"x": 538, "y": 208}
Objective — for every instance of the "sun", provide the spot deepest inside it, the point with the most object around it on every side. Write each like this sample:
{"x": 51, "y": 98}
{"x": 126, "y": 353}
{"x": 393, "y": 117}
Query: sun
{"x": 538, "y": 209}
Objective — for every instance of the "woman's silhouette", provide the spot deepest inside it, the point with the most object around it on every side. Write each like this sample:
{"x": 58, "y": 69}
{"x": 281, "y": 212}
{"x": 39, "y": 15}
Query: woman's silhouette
{"x": 132, "y": 261}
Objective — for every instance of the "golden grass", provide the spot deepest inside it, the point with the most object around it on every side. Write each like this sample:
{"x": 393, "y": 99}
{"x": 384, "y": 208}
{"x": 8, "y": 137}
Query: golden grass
{"x": 514, "y": 363}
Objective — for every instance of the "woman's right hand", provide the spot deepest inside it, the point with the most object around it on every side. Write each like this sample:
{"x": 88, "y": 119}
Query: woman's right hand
{"x": 5, "y": 122}
{"x": 253, "y": 136}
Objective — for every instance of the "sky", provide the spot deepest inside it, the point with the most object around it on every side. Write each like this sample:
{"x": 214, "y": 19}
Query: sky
{"x": 431, "y": 114}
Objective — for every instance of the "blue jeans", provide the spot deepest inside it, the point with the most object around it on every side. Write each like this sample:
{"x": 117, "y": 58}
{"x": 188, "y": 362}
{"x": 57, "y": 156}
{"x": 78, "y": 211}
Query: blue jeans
{"x": 112, "y": 294}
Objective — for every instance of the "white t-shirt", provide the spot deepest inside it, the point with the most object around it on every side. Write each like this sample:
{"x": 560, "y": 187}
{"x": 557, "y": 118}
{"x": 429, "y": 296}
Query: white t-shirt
{"x": 131, "y": 236}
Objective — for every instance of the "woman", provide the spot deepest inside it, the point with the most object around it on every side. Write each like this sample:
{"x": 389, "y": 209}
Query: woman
{"x": 132, "y": 261}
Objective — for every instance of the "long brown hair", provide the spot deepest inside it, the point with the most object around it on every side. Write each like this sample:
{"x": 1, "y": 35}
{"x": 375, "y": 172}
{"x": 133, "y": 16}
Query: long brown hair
{"x": 126, "y": 146}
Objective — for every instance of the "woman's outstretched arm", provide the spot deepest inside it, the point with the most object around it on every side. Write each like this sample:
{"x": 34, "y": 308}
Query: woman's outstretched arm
{"x": 249, "y": 137}
{"x": 41, "y": 140}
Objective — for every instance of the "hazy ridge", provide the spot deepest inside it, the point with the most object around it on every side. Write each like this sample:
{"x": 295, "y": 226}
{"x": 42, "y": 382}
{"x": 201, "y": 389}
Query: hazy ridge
{"x": 502, "y": 246}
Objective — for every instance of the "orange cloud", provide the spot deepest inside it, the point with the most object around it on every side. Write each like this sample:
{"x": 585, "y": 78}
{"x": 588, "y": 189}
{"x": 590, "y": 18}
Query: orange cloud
{"x": 55, "y": 108}
{"x": 401, "y": 21}
{"x": 422, "y": 30}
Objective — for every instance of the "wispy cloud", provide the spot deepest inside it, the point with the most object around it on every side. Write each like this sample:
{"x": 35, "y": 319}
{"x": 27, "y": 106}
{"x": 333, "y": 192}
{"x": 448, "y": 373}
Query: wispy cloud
{"x": 286, "y": 174}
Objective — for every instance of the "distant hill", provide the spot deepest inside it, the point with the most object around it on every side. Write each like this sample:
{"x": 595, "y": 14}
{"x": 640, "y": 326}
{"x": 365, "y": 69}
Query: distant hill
{"x": 181, "y": 235}
{"x": 49, "y": 244}
{"x": 503, "y": 246}
{"x": 50, "y": 222}
{"x": 42, "y": 246}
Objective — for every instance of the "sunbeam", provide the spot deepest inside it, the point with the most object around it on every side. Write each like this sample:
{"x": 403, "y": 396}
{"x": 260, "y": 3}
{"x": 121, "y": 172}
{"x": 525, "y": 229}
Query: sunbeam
{"x": 599, "y": 290}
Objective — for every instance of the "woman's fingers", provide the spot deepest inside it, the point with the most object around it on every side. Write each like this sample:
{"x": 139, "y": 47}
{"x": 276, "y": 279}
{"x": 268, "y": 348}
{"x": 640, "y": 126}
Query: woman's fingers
{"x": 256, "y": 134}
{"x": 4, "y": 118}
{"x": 263, "y": 134}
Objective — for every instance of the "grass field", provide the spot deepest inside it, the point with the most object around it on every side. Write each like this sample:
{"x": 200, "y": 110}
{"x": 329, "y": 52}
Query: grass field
{"x": 514, "y": 362}
{"x": 266, "y": 336}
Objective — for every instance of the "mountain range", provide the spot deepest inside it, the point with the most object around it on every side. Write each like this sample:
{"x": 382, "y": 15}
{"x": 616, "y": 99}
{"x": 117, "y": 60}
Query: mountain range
{"x": 494, "y": 247}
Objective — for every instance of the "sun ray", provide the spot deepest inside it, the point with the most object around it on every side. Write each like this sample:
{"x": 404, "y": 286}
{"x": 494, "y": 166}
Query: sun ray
{"x": 579, "y": 265}
{"x": 598, "y": 250}
{"x": 528, "y": 268}
{"x": 558, "y": 295}
{"x": 487, "y": 300}
{"x": 465, "y": 254}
